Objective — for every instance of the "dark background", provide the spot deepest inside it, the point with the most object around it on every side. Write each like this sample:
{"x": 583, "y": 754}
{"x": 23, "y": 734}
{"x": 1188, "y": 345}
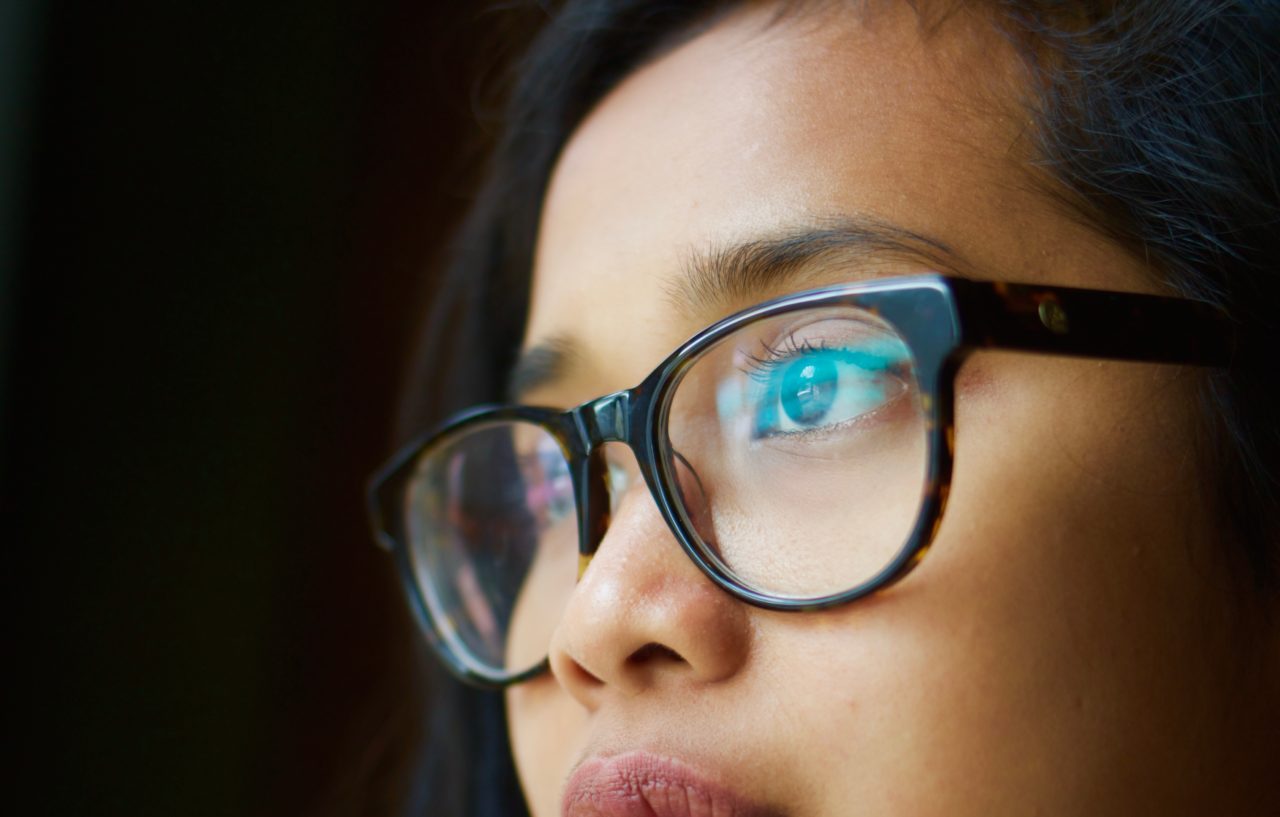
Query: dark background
{"x": 218, "y": 223}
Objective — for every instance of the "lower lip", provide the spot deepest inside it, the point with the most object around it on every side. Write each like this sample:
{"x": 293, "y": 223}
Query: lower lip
{"x": 638, "y": 784}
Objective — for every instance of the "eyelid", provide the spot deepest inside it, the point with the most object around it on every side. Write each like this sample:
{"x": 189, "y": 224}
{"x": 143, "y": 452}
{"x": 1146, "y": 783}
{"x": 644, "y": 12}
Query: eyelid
{"x": 874, "y": 339}
{"x": 843, "y": 316}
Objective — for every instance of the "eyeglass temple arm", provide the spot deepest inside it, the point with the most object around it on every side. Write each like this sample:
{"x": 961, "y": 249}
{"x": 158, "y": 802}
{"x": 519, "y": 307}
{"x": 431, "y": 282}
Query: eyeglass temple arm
{"x": 1090, "y": 323}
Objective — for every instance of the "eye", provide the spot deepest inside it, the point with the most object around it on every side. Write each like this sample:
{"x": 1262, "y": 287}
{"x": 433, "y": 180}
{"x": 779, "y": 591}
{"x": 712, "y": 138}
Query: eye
{"x": 803, "y": 388}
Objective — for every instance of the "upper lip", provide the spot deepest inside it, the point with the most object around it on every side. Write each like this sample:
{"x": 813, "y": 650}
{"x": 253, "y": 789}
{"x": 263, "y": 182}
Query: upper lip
{"x": 641, "y": 784}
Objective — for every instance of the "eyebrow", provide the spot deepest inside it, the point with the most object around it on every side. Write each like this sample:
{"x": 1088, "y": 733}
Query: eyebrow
{"x": 720, "y": 276}
{"x": 540, "y": 365}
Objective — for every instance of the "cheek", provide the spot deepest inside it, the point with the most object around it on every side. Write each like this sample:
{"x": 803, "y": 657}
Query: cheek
{"x": 1080, "y": 477}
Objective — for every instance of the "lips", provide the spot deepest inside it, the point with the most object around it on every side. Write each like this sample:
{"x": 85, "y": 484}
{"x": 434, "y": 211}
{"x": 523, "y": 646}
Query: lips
{"x": 639, "y": 784}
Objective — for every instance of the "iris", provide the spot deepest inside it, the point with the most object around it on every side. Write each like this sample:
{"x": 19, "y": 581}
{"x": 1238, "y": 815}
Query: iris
{"x": 809, "y": 387}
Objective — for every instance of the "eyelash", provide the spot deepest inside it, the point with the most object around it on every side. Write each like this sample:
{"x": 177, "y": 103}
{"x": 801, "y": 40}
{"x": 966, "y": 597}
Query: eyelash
{"x": 759, "y": 368}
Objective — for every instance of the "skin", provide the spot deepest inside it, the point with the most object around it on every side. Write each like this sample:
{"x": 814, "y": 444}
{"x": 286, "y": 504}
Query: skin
{"x": 1073, "y": 644}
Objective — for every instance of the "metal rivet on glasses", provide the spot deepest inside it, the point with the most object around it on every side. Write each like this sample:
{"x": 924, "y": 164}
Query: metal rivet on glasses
{"x": 1054, "y": 317}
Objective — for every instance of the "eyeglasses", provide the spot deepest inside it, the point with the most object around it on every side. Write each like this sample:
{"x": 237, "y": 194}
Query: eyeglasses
{"x": 800, "y": 452}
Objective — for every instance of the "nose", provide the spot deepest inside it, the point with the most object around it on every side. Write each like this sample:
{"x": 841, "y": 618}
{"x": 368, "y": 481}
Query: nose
{"x": 643, "y": 615}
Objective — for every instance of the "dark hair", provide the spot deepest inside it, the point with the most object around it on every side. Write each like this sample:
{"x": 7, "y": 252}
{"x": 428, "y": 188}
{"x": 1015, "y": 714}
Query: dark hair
{"x": 1156, "y": 126}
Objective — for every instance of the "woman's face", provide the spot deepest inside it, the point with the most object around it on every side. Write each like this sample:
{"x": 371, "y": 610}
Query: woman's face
{"x": 1066, "y": 648}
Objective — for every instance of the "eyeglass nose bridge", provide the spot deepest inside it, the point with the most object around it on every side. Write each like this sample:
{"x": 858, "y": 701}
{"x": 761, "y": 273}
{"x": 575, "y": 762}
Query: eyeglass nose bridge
{"x": 606, "y": 419}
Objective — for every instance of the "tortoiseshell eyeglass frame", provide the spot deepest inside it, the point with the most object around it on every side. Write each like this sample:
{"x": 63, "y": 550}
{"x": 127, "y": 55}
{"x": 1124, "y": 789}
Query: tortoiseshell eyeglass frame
{"x": 941, "y": 319}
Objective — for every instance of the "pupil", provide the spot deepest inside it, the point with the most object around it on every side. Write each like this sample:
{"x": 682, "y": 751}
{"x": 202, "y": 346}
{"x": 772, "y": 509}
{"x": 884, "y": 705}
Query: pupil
{"x": 809, "y": 389}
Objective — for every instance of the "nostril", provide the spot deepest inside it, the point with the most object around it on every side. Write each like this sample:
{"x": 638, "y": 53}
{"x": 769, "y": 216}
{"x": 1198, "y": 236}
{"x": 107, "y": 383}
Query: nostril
{"x": 655, "y": 653}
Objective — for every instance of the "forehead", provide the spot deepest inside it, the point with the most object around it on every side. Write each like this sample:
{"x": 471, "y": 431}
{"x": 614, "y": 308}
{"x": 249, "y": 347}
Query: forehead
{"x": 763, "y": 124}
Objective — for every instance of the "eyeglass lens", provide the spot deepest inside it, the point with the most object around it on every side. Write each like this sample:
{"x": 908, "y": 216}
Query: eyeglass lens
{"x": 800, "y": 451}
{"x": 492, "y": 532}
